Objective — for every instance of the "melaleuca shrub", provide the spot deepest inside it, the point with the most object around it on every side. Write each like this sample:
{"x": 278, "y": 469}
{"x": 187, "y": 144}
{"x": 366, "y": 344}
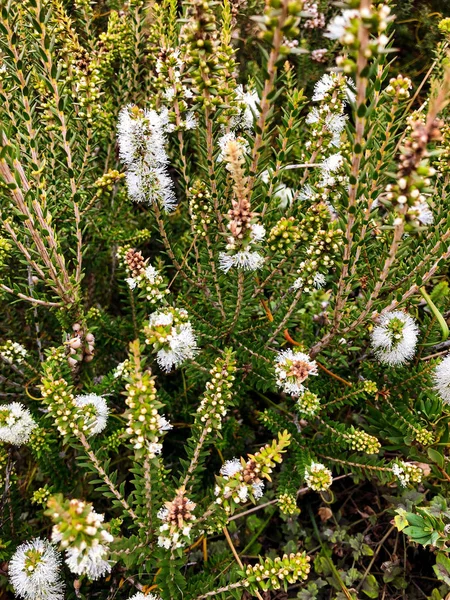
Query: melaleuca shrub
{"x": 224, "y": 290}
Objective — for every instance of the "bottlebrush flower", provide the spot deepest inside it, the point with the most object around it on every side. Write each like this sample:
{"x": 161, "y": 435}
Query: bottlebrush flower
{"x": 34, "y": 571}
{"x": 394, "y": 339}
{"x": 442, "y": 379}
{"x": 292, "y": 368}
{"x": 16, "y": 424}
{"x": 94, "y": 412}
{"x": 142, "y": 139}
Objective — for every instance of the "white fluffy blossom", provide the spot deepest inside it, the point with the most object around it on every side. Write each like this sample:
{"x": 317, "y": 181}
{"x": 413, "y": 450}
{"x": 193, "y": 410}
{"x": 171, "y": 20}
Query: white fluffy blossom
{"x": 163, "y": 424}
{"x": 160, "y": 318}
{"x": 422, "y": 212}
{"x": 142, "y": 596}
{"x": 16, "y": 424}
{"x": 245, "y": 259}
{"x": 142, "y": 139}
{"x": 442, "y": 379}
{"x": 182, "y": 346}
{"x": 319, "y": 280}
{"x": 332, "y": 163}
{"x": 337, "y": 27}
{"x": 292, "y": 368}
{"x": 230, "y": 468}
{"x": 394, "y": 339}
{"x": 34, "y": 571}
{"x": 173, "y": 338}
{"x": 91, "y": 562}
{"x": 249, "y": 100}
{"x": 258, "y": 489}
{"x": 95, "y": 412}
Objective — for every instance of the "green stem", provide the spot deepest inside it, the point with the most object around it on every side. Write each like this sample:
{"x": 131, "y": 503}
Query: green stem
{"x": 436, "y": 312}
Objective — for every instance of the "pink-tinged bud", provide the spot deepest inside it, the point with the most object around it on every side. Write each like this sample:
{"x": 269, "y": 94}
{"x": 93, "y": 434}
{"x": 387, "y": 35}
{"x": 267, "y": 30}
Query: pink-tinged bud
{"x": 90, "y": 338}
{"x": 75, "y": 342}
{"x": 72, "y": 362}
{"x": 88, "y": 358}
{"x": 76, "y": 327}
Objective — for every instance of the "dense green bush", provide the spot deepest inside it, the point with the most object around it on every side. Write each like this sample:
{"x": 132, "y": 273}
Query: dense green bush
{"x": 223, "y": 250}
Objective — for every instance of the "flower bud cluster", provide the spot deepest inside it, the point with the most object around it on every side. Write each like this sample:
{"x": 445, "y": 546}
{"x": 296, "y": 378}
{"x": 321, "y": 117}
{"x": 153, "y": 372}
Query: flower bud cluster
{"x": 79, "y": 68}
{"x": 288, "y": 504}
{"x": 409, "y": 193}
{"x": 319, "y": 55}
{"x": 16, "y": 424}
{"x": 122, "y": 370}
{"x": 145, "y": 425}
{"x": 5, "y": 248}
{"x": 218, "y": 394}
{"x": 81, "y": 415}
{"x": 362, "y": 442}
{"x": 207, "y": 60}
{"x": 200, "y": 208}
{"x": 105, "y": 184}
{"x": 271, "y": 574}
{"x": 292, "y": 369}
{"x": 318, "y": 477}
{"x": 41, "y": 496}
{"x": 178, "y": 519}
{"x": 407, "y": 473}
{"x": 275, "y": 18}
{"x": 117, "y": 42}
{"x": 424, "y": 437}
{"x": 13, "y": 352}
{"x": 81, "y": 532}
{"x": 321, "y": 252}
{"x": 284, "y": 235}
{"x": 176, "y": 94}
{"x": 58, "y": 396}
{"x": 444, "y": 25}
{"x": 345, "y": 28}
{"x": 370, "y": 387}
{"x": 315, "y": 19}
{"x": 240, "y": 481}
{"x": 399, "y": 87}
{"x": 142, "y": 275}
{"x": 308, "y": 403}
{"x": 172, "y": 337}
{"x": 80, "y": 346}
